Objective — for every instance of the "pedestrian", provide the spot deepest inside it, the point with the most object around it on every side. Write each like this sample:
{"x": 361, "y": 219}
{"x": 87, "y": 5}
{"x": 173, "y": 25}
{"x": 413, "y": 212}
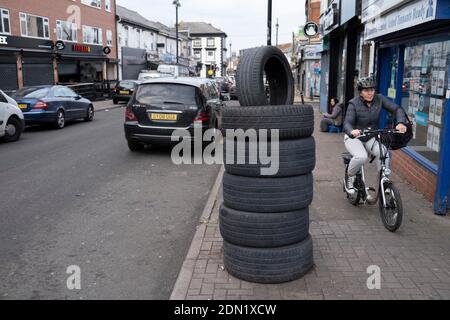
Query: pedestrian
{"x": 335, "y": 118}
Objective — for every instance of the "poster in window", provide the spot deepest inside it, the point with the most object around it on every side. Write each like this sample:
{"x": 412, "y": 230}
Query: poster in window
{"x": 426, "y": 58}
{"x": 436, "y": 139}
{"x": 414, "y": 128}
{"x": 438, "y": 112}
{"x": 444, "y": 54}
{"x": 437, "y": 54}
{"x": 434, "y": 82}
{"x": 425, "y": 85}
{"x": 430, "y": 135}
{"x": 441, "y": 81}
{"x": 432, "y": 109}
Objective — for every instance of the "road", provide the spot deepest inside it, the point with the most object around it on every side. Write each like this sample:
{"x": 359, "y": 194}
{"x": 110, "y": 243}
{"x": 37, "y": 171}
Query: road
{"x": 79, "y": 197}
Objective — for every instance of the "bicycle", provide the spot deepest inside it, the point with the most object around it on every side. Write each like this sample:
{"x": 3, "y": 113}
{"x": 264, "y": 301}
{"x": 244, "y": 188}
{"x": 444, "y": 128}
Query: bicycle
{"x": 390, "y": 202}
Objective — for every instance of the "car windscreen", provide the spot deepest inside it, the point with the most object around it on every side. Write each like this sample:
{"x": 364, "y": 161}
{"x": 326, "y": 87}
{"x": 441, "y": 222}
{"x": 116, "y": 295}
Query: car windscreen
{"x": 166, "y": 93}
{"x": 127, "y": 84}
{"x": 32, "y": 93}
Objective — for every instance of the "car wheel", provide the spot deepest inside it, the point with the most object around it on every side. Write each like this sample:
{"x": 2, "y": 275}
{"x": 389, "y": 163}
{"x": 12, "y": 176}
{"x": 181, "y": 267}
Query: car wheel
{"x": 90, "y": 114}
{"x": 135, "y": 146}
{"x": 267, "y": 195}
{"x": 269, "y": 265}
{"x": 13, "y": 130}
{"x": 60, "y": 120}
{"x": 257, "y": 64}
{"x": 263, "y": 230}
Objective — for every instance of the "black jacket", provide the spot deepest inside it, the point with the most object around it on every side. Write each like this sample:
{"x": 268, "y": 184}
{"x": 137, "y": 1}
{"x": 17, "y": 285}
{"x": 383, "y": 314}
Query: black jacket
{"x": 360, "y": 116}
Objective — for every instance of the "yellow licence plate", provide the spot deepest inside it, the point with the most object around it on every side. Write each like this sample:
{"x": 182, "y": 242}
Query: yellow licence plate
{"x": 163, "y": 116}
{"x": 23, "y": 105}
{"x": 124, "y": 92}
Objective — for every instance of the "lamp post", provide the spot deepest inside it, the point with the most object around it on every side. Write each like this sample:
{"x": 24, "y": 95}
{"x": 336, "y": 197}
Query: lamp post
{"x": 269, "y": 23}
{"x": 229, "y": 66}
{"x": 177, "y": 4}
{"x": 277, "y": 25}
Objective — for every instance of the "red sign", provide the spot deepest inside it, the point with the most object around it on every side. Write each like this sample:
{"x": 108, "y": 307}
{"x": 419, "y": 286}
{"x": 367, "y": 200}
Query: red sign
{"x": 81, "y": 48}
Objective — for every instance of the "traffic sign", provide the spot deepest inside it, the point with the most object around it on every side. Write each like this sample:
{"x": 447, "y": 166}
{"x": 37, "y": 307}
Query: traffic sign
{"x": 311, "y": 29}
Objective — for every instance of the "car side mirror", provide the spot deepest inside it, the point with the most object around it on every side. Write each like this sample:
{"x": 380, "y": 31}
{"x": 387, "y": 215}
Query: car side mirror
{"x": 78, "y": 97}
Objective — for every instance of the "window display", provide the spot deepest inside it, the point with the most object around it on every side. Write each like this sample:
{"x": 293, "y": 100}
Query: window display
{"x": 424, "y": 88}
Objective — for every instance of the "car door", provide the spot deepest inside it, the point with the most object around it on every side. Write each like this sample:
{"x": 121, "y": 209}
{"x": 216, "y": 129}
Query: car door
{"x": 3, "y": 113}
{"x": 59, "y": 100}
{"x": 78, "y": 106}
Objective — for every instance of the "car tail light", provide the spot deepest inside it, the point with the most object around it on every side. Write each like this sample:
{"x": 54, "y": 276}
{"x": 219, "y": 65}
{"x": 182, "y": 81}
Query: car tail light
{"x": 129, "y": 115}
{"x": 202, "y": 116}
{"x": 40, "y": 105}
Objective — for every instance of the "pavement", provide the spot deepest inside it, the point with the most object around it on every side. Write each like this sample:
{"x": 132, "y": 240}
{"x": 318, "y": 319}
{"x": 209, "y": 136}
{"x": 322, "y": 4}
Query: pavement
{"x": 414, "y": 262}
{"x": 106, "y": 105}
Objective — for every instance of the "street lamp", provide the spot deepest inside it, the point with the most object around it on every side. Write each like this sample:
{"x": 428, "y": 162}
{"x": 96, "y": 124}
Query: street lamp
{"x": 229, "y": 66}
{"x": 177, "y": 4}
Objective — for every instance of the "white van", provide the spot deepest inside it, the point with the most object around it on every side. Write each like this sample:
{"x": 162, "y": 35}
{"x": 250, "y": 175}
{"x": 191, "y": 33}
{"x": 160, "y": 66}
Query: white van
{"x": 12, "y": 121}
{"x": 173, "y": 70}
{"x": 148, "y": 74}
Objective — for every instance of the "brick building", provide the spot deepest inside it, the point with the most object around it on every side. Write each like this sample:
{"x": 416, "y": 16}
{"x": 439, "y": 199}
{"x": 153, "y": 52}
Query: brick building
{"x": 84, "y": 31}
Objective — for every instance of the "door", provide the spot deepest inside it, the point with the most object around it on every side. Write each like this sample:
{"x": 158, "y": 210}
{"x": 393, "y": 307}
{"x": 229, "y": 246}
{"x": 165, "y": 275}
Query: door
{"x": 59, "y": 99}
{"x": 77, "y": 105}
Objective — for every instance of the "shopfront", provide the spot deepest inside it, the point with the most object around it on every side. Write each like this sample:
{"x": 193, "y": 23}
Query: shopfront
{"x": 25, "y": 62}
{"x": 413, "y": 66}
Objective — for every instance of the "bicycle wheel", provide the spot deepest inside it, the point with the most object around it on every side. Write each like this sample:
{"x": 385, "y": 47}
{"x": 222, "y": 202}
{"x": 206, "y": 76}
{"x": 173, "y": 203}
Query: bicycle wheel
{"x": 392, "y": 214}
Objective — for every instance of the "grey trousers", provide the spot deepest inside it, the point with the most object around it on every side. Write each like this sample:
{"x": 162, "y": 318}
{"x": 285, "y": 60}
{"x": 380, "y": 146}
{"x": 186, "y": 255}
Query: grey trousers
{"x": 360, "y": 152}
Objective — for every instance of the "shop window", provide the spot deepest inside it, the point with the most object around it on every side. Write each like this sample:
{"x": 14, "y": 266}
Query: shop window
{"x": 92, "y": 3}
{"x": 423, "y": 96}
{"x": 4, "y": 21}
{"x": 92, "y": 35}
{"x": 198, "y": 54}
{"x": 66, "y": 31}
{"x": 34, "y": 26}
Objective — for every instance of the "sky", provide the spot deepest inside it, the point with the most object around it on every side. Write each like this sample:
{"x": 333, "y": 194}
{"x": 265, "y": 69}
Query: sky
{"x": 244, "y": 21}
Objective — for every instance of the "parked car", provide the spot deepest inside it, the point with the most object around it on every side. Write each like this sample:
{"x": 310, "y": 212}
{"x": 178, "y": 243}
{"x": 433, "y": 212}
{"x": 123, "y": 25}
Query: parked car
{"x": 12, "y": 121}
{"x": 52, "y": 105}
{"x": 148, "y": 74}
{"x": 124, "y": 90}
{"x": 160, "y": 106}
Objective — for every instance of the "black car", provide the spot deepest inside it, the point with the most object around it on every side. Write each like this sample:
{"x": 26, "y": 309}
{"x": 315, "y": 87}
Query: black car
{"x": 124, "y": 90}
{"x": 160, "y": 106}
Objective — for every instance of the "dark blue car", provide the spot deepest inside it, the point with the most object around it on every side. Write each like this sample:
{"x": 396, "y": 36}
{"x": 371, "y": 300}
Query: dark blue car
{"x": 53, "y": 105}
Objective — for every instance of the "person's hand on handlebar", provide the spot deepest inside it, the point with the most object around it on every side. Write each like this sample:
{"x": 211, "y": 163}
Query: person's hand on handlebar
{"x": 401, "y": 127}
{"x": 356, "y": 133}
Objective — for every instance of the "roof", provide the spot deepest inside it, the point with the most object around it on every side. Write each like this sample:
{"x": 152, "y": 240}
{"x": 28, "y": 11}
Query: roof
{"x": 191, "y": 81}
{"x": 200, "y": 28}
{"x": 135, "y": 18}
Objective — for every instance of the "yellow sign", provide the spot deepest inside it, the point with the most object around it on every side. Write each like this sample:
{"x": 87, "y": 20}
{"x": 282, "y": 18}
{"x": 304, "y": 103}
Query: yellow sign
{"x": 210, "y": 72}
{"x": 392, "y": 93}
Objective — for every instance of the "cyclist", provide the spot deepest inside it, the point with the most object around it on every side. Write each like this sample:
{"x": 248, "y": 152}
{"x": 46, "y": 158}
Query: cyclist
{"x": 363, "y": 112}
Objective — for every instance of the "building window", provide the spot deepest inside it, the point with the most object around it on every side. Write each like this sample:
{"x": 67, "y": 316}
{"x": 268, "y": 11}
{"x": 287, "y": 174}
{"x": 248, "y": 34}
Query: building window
{"x": 92, "y": 35}
{"x": 92, "y": 3}
{"x": 210, "y": 42}
{"x": 4, "y": 21}
{"x": 66, "y": 31}
{"x": 198, "y": 54}
{"x": 197, "y": 43}
{"x": 34, "y": 26}
{"x": 108, "y": 5}
{"x": 210, "y": 56}
{"x": 138, "y": 38}
{"x": 109, "y": 37}
{"x": 425, "y": 81}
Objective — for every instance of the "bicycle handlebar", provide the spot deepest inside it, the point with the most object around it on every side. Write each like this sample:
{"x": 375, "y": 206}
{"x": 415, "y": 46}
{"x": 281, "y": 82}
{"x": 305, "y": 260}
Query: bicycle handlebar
{"x": 378, "y": 131}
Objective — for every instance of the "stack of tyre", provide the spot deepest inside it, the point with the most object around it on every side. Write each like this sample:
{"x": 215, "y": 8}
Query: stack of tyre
{"x": 264, "y": 220}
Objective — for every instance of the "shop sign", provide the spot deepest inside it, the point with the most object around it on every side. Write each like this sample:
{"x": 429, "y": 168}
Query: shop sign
{"x": 3, "y": 40}
{"x": 392, "y": 93}
{"x": 375, "y": 8}
{"x": 331, "y": 18}
{"x": 311, "y": 29}
{"x": 60, "y": 45}
{"x": 408, "y": 16}
{"x": 311, "y": 53}
{"x": 81, "y": 48}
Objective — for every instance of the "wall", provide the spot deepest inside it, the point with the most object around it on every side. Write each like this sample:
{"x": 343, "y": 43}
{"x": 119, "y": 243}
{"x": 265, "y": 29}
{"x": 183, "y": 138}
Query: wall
{"x": 423, "y": 180}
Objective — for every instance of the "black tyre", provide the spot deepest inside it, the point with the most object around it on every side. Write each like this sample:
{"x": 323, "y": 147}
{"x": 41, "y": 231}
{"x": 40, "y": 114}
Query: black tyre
{"x": 269, "y": 265}
{"x": 135, "y": 146}
{"x": 60, "y": 121}
{"x": 392, "y": 215}
{"x": 260, "y": 64}
{"x": 263, "y": 230}
{"x": 293, "y": 122}
{"x": 267, "y": 195}
{"x": 90, "y": 114}
{"x": 13, "y": 130}
{"x": 295, "y": 157}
